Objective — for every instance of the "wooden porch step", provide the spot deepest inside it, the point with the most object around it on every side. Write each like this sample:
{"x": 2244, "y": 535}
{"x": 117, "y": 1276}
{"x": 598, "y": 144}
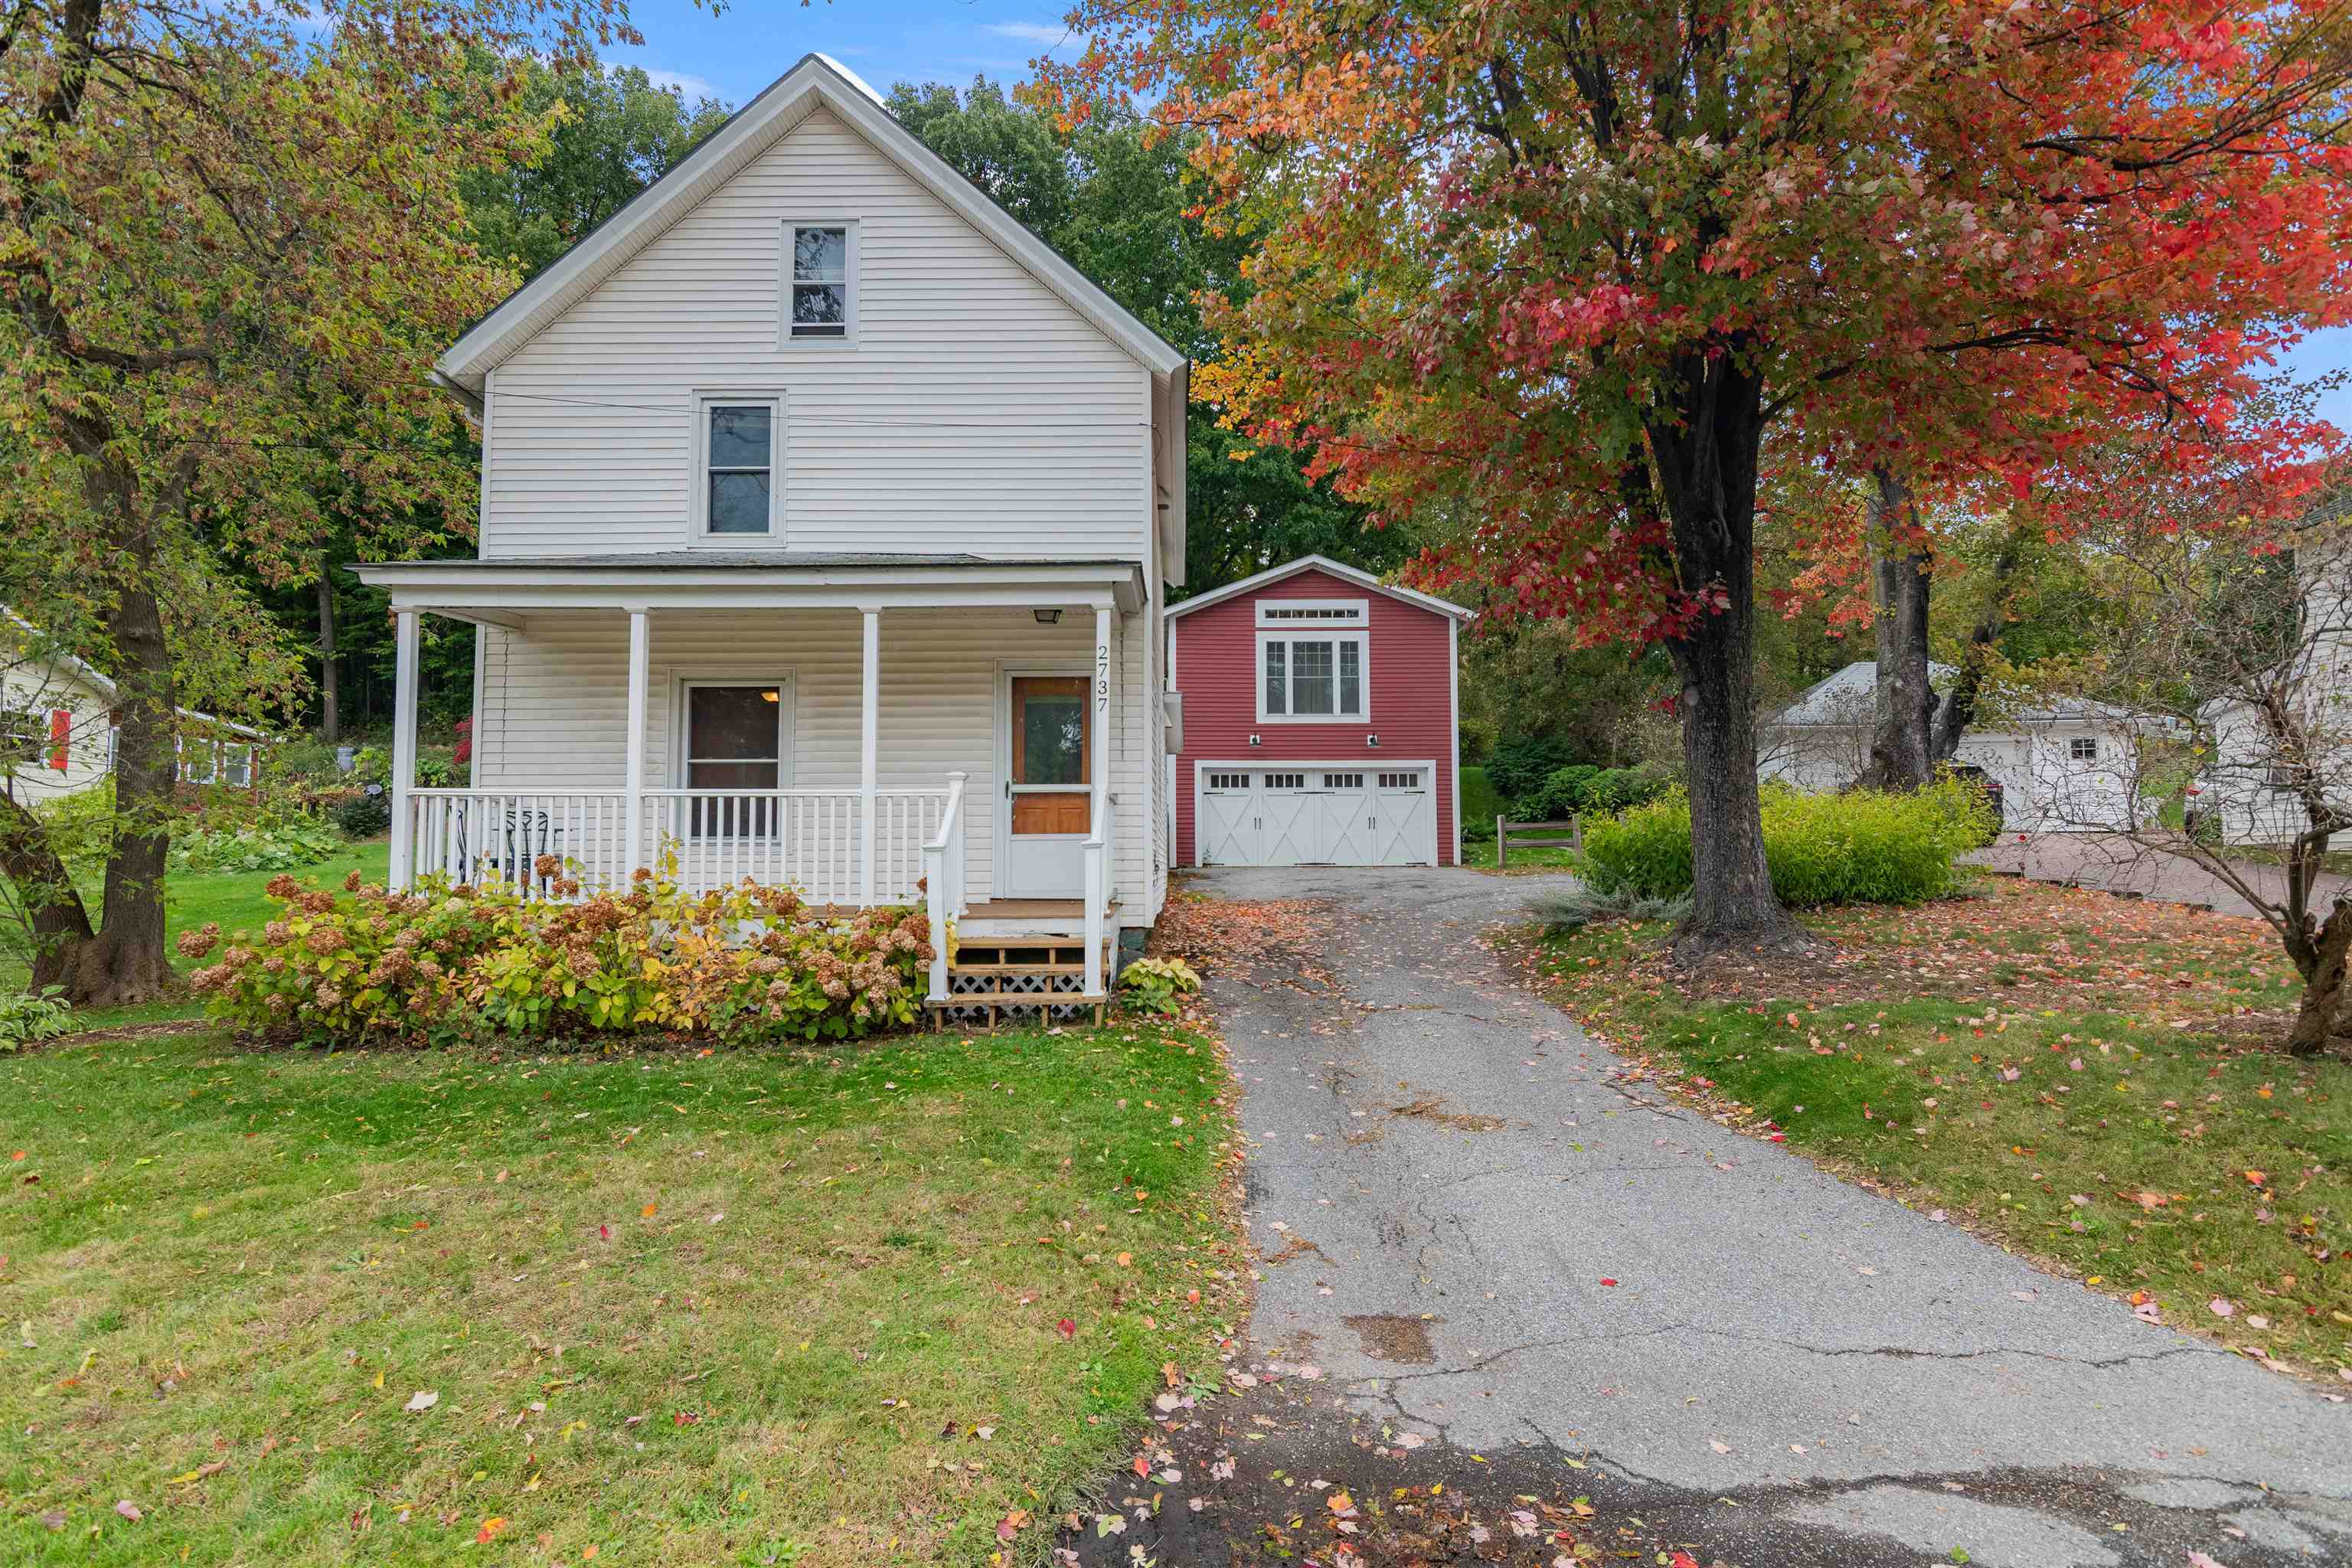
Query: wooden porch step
{"x": 1030, "y": 974}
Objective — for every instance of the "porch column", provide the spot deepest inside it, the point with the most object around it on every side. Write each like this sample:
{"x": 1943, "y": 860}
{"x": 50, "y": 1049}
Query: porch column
{"x": 869, "y": 748}
{"x": 633, "y": 805}
{"x": 404, "y": 740}
{"x": 1099, "y": 763}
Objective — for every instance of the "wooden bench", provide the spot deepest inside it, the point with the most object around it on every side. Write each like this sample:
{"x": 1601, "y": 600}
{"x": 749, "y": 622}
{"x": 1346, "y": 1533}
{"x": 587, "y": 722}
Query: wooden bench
{"x": 1508, "y": 834}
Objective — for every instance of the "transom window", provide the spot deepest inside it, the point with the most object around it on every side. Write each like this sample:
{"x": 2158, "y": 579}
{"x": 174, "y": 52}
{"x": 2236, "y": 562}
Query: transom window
{"x": 1313, "y": 612}
{"x": 1307, "y": 677}
{"x": 2084, "y": 748}
{"x": 819, "y": 281}
{"x": 739, "y": 464}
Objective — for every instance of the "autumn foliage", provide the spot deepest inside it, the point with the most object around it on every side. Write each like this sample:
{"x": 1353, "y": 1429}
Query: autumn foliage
{"x": 1590, "y": 279}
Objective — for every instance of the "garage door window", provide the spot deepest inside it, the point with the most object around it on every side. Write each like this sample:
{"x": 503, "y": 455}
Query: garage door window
{"x": 1312, "y": 678}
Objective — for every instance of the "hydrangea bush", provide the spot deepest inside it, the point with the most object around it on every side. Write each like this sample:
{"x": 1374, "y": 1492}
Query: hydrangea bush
{"x": 445, "y": 965}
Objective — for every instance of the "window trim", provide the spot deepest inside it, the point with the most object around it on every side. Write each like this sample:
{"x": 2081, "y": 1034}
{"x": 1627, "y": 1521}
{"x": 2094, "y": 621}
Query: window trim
{"x": 1345, "y": 615}
{"x": 1293, "y": 633}
{"x": 698, "y": 474}
{"x": 787, "y": 233}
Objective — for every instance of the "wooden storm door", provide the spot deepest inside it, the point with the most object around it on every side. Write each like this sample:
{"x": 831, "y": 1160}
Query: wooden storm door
{"x": 1049, "y": 786}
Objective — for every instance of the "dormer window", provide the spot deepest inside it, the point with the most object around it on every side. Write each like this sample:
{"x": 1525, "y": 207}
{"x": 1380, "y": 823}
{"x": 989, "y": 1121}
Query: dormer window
{"x": 819, "y": 307}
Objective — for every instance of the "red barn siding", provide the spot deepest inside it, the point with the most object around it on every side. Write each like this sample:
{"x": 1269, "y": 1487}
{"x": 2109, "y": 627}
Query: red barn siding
{"x": 1410, "y": 658}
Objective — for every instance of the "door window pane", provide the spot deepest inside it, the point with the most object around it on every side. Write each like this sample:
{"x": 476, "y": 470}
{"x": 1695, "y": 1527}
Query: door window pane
{"x": 735, "y": 723}
{"x": 1053, "y": 741}
{"x": 1310, "y": 677}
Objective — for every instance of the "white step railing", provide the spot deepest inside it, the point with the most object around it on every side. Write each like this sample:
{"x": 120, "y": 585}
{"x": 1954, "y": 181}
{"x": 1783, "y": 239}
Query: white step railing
{"x": 944, "y": 878}
{"x": 806, "y": 838}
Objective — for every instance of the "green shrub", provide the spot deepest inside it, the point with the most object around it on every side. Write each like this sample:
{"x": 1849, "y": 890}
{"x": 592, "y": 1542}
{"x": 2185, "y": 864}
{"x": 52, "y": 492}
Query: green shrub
{"x": 284, "y": 847}
{"x": 1480, "y": 803}
{"x": 447, "y": 965}
{"x": 1157, "y": 985}
{"x": 1644, "y": 852}
{"x": 26, "y": 1017}
{"x": 364, "y": 816}
{"x": 1582, "y": 788}
{"x": 1583, "y": 905}
{"x": 1859, "y": 847}
{"x": 1517, "y": 767}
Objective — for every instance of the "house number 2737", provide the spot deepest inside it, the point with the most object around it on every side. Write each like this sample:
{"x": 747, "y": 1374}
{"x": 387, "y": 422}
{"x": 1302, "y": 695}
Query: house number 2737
{"x": 1102, "y": 677}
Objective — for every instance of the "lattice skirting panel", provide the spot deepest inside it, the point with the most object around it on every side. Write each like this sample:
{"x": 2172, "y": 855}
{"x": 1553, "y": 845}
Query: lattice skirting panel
{"x": 1014, "y": 993}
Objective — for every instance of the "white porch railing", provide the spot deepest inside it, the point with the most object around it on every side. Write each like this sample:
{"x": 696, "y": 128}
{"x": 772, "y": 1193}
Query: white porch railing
{"x": 810, "y": 839}
{"x": 943, "y": 876}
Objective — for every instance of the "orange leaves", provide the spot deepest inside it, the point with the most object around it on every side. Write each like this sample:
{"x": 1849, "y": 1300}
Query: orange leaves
{"x": 492, "y": 1528}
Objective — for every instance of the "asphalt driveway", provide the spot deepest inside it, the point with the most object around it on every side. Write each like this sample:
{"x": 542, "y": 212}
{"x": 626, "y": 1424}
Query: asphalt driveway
{"x": 1478, "y": 1232}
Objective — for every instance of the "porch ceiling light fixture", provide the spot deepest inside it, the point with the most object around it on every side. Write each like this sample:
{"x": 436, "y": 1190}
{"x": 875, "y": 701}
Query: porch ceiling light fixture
{"x": 1048, "y": 617}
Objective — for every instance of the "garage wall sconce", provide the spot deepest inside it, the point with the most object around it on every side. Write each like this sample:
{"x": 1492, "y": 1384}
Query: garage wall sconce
{"x": 1255, "y": 741}
{"x": 1371, "y": 740}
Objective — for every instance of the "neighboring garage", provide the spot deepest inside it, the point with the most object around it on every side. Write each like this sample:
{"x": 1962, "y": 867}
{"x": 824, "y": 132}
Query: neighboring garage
{"x": 1320, "y": 709}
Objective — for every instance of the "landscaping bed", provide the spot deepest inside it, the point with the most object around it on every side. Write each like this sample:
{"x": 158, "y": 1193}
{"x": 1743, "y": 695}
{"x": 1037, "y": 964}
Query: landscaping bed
{"x": 893, "y": 1301}
{"x": 2093, "y": 1080}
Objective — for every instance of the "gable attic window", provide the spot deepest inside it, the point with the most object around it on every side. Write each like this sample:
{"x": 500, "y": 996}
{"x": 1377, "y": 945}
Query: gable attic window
{"x": 821, "y": 264}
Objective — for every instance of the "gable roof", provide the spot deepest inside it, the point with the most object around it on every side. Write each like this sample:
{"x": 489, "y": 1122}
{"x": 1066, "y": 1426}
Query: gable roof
{"x": 816, "y": 82}
{"x": 1361, "y": 579}
{"x": 1846, "y": 698}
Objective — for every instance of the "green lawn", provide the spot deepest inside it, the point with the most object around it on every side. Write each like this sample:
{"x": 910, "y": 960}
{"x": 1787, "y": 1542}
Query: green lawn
{"x": 861, "y": 1307}
{"x": 2087, "y": 1078}
{"x": 234, "y": 898}
{"x": 1478, "y": 853}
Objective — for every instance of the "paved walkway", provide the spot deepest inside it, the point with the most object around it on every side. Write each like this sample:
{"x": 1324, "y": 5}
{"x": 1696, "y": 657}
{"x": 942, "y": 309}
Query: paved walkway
{"x": 1482, "y": 1234}
{"x": 2120, "y": 866}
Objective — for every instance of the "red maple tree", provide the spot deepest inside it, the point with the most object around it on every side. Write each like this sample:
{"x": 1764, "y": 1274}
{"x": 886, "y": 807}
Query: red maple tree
{"x": 1566, "y": 269}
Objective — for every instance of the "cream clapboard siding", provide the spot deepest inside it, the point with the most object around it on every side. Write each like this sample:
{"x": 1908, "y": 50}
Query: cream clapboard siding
{"x": 977, "y": 411}
{"x": 554, "y": 704}
{"x": 42, "y": 690}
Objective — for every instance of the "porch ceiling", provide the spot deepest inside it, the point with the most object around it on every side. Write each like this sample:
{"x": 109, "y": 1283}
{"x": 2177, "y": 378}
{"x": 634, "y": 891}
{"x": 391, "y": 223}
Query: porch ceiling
{"x": 744, "y": 579}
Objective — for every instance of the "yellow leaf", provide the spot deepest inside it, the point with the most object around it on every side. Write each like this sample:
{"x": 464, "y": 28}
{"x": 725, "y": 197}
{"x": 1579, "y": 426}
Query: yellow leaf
{"x": 379, "y": 1377}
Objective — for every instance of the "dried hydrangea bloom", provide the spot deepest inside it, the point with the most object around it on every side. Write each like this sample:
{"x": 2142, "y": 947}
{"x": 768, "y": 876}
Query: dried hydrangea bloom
{"x": 351, "y": 883}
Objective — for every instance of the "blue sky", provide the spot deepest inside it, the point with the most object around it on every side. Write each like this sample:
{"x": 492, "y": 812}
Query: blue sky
{"x": 734, "y": 55}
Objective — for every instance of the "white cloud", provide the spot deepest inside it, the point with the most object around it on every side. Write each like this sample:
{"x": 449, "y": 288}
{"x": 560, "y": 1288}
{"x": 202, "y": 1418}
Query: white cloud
{"x": 687, "y": 86}
{"x": 1044, "y": 34}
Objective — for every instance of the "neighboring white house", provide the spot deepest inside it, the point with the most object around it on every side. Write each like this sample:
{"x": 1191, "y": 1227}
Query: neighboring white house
{"x": 2066, "y": 767}
{"x": 826, "y": 521}
{"x": 56, "y": 724}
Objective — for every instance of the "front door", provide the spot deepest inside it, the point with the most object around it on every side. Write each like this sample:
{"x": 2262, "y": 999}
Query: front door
{"x": 1048, "y": 792}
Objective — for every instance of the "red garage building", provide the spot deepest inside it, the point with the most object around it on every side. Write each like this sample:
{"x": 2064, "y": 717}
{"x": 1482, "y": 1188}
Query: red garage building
{"x": 1320, "y": 721}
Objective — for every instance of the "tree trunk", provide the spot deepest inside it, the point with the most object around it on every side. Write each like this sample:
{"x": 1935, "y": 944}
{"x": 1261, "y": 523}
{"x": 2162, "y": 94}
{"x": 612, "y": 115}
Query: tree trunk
{"x": 1903, "y": 705}
{"x": 2321, "y": 1014}
{"x": 52, "y": 904}
{"x": 330, "y": 722}
{"x": 1705, "y": 464}
{"x": 126, "y": 961}
{"x": 1957, "y": 710}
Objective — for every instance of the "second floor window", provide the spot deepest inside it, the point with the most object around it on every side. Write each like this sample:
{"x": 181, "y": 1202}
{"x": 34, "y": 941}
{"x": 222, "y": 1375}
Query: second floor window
{"x": 738, "y": 479}
{"x": 1312, "y": 676}
{"x": 820, "y": 305}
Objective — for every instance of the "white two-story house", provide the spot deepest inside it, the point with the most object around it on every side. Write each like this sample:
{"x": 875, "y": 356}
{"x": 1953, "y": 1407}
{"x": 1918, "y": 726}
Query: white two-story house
{"x": 826, "y": 520}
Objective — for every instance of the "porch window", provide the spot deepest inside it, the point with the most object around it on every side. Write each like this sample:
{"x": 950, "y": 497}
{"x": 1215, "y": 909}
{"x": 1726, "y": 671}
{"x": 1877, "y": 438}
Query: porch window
{"x": 739, "y": 466}
{"x": 1312, "y": 678}
{"x": 819, "y": 281}
{"x": 734, "y": 742}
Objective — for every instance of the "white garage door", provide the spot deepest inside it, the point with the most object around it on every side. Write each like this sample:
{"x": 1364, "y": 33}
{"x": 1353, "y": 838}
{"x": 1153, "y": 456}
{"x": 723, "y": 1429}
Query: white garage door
{"x": 1307, "y": 815}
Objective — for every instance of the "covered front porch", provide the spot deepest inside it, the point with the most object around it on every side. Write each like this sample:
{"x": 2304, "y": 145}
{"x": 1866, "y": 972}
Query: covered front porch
{"x": 947, "y": 731}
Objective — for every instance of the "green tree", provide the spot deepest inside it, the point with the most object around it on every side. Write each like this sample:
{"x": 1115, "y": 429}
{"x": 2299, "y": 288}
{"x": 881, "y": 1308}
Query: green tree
{"x": 229, "y": 250}
{"x": 614, "y": 133}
